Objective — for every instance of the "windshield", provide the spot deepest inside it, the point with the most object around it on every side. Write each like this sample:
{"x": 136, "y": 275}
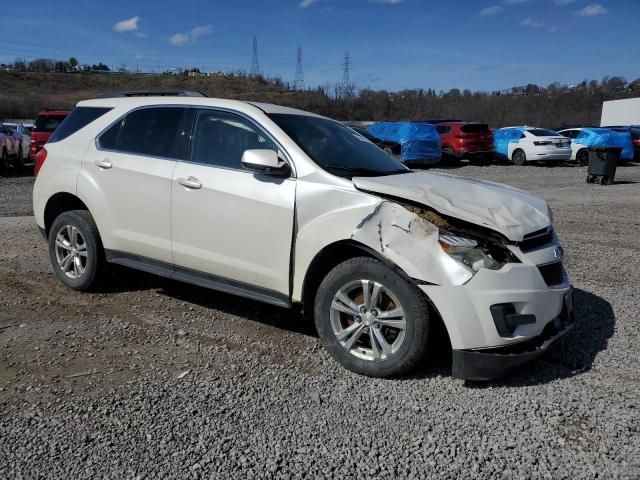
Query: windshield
{"x": 47, "y": 123}
{"x": 336, "y": 148}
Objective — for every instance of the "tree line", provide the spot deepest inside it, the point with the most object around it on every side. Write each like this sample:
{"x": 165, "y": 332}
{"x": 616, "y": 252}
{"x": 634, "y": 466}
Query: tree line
{"x": 551, "y": 106}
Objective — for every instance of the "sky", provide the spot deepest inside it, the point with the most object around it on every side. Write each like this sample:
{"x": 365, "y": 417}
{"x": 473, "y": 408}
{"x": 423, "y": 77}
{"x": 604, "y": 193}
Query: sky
{"x": 393, "y": 44}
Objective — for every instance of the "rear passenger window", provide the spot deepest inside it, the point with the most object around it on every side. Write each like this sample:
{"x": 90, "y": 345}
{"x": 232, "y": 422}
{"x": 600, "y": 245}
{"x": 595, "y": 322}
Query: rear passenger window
{"x": 442, "y": 129}
{"x": 79, "y": 118}
{"x": 221, "y": 138}
{"x": 156, "y": 132}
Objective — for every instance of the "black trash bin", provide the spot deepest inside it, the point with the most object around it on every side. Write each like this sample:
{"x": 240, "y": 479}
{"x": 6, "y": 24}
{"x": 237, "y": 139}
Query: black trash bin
{"x": 602, "y": 164}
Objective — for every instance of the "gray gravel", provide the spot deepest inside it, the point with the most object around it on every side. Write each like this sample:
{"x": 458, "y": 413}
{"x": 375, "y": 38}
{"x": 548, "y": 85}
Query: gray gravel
{"x": 89, "y": 383}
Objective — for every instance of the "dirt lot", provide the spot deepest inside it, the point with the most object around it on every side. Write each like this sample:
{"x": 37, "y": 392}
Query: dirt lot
{"x": 155, "y": 379}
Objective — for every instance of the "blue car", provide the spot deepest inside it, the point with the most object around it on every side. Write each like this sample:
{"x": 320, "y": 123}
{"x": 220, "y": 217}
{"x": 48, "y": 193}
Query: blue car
{"x": 583, "y": 138}
{"x": 419, "y": 142}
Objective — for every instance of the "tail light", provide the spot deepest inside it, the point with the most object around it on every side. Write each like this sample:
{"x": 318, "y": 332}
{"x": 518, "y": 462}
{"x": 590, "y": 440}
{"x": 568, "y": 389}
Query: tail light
{"x": 40, "y": 158}
{"x": 539, "y": 143}
{"x": 636, "y": 141}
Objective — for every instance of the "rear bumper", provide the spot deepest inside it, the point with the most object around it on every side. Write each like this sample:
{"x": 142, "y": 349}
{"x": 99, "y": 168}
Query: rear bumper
{"x": 491, "y": 363}
{"x": 560, "y": 154}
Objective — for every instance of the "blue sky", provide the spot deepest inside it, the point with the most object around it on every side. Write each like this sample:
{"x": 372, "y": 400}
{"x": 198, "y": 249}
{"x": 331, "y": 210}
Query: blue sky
{"x": 394, "y": 44}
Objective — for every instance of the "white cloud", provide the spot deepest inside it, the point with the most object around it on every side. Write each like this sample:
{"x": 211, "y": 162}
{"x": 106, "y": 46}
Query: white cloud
{"x": 591, "y": 10}
{"x": 128, "y": 25}
{"x": 180, "y": 39}
{"x": 564, "y": 3}
{"x": 491, "y": 10}
{"x": 307, "y": 3}
{"x": 530, "y": 22}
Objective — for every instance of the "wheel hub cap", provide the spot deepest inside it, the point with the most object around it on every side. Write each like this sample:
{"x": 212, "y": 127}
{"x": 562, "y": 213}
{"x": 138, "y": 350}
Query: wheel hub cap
{"x": 71, "y": 251}
{"x": 368, "y": 320}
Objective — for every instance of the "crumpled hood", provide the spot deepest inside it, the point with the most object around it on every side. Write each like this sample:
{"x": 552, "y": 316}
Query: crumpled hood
{"x": 507, "y": 210}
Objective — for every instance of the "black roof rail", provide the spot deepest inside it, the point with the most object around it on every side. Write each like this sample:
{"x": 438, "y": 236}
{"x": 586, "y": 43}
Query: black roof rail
{"x": 153, "y": 93}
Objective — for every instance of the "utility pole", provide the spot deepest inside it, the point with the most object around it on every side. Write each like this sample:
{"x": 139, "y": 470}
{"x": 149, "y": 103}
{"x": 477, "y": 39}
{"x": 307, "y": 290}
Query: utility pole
{"x": 346, "y": 86}
{"x": 255, "y": 64}
{"x": 298, "y": 83}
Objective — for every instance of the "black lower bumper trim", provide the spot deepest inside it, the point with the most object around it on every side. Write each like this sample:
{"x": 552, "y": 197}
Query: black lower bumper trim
{"x": 491, "y": 363}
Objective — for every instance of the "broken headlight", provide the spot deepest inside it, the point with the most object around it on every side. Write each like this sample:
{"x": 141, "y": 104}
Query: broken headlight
{"x": 467, "y": 252}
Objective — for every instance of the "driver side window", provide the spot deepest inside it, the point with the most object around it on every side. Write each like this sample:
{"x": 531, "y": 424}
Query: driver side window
{"x": 220, "y": 139}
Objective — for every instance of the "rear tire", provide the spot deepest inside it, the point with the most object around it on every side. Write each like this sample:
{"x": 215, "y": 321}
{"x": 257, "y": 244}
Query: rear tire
{"x": 519, "y": 157}
{"x": 582, "y": 157}
{"x": 372, "y": 320}
{"x": 20, "y": 158}
{"x": 76, "y": 251}
{"x": 449, "y": 156}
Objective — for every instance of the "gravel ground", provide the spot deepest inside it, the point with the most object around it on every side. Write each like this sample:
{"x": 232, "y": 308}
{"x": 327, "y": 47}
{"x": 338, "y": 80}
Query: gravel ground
{"x": 155, "y": 379}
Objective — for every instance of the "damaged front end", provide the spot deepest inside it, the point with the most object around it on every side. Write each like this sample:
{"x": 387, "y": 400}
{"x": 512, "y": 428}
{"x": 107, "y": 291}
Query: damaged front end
{"x": 469, "y": 273}
{"x": 438, "y": 250}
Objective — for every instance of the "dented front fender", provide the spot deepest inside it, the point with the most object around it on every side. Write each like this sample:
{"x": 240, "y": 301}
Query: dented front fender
{"x": 393, "y": 231}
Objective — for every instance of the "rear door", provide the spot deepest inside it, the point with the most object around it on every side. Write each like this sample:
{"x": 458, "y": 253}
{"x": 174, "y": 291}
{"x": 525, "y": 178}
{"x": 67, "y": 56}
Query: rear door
{"x": 127, "y": 175}
{"x": 232, "y": 224}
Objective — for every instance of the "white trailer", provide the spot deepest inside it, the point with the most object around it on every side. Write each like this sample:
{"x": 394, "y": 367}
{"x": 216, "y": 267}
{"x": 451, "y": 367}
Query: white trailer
{"x": 620, "y": 112}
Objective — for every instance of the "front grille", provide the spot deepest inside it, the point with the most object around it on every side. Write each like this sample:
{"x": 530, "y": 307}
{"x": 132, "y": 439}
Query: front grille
{"x": 553, "y": 274}
{"x": 536, "y": 239}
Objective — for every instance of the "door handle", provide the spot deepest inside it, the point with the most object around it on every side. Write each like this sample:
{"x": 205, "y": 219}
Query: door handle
{"x": 191, "y": 182}
{"x": 105, "y": 164}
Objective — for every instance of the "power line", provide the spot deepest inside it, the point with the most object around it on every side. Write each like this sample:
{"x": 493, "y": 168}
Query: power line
{"x": 255, "y": 64}
{"x": 298, "y": 83}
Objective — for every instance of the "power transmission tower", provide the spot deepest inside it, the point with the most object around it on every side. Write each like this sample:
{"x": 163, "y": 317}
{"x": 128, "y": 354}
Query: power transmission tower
{"x": 255, "y": 64}
{"x": 346, "y": 87}
{"x": 298, "y": 83}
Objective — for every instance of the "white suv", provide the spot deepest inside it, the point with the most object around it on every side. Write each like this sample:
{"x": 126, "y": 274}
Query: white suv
{"x": 288, "y": 207}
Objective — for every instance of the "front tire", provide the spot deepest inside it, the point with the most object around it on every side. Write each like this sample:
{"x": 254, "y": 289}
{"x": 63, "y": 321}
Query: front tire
{"x": 372, "y": 320}
{"x": 519, "y": 157}
{"x": 4, "y": 163}
{"x": 76, "y": 251}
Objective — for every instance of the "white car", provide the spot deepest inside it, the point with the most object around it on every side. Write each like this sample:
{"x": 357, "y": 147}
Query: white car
{"x": 23, "y": 136}
{"x": 288, "y": 207}
{"x": 528, "y": 144}
{"x": 9, "y": 149}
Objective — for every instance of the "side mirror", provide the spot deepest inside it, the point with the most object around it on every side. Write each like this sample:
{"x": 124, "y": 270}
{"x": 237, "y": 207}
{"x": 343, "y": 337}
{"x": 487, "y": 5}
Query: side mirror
{"x": 265, "y": 161}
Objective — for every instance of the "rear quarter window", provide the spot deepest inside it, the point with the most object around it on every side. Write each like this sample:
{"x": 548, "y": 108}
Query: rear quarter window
{"x": 541, "y": 132}
{"x": 443, "y": 129}
{"x": 79, "y": 118}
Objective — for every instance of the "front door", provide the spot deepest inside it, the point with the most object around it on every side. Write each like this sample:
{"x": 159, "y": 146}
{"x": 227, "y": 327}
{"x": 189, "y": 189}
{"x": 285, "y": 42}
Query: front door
{"x": 228, "y": 222}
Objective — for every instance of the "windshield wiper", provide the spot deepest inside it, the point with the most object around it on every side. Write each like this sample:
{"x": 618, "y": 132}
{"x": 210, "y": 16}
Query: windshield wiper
{"x": 363, "y": 171}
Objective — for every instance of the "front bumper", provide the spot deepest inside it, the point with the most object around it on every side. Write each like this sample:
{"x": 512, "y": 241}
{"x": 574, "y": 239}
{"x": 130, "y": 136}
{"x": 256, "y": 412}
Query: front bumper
{"x": 491, "y": 363}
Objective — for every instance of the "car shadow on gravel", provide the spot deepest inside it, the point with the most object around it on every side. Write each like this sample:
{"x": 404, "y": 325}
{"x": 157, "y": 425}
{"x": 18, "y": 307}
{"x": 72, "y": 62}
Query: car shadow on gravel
{"x": 129, "y": 280}
{"x": 574, "y": 354}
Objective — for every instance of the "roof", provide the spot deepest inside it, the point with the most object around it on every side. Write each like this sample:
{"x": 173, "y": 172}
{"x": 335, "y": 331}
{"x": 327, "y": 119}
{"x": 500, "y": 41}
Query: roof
{"x": 141, "y": 101}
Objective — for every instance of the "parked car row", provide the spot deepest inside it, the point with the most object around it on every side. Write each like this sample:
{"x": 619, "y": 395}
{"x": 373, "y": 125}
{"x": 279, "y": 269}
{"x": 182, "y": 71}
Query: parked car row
{"x": 21, "y": 142}
{"x": 428, "y": 142}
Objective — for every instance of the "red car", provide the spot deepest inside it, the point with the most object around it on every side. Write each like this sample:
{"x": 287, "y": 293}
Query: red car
{"x": 465, "y": 140}
{"x": 43, "y": 127}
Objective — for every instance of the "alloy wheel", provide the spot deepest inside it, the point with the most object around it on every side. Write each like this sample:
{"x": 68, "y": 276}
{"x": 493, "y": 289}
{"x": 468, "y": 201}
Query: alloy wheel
{"x": 368, "y": 320}
{"x": 71, "y": 251}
